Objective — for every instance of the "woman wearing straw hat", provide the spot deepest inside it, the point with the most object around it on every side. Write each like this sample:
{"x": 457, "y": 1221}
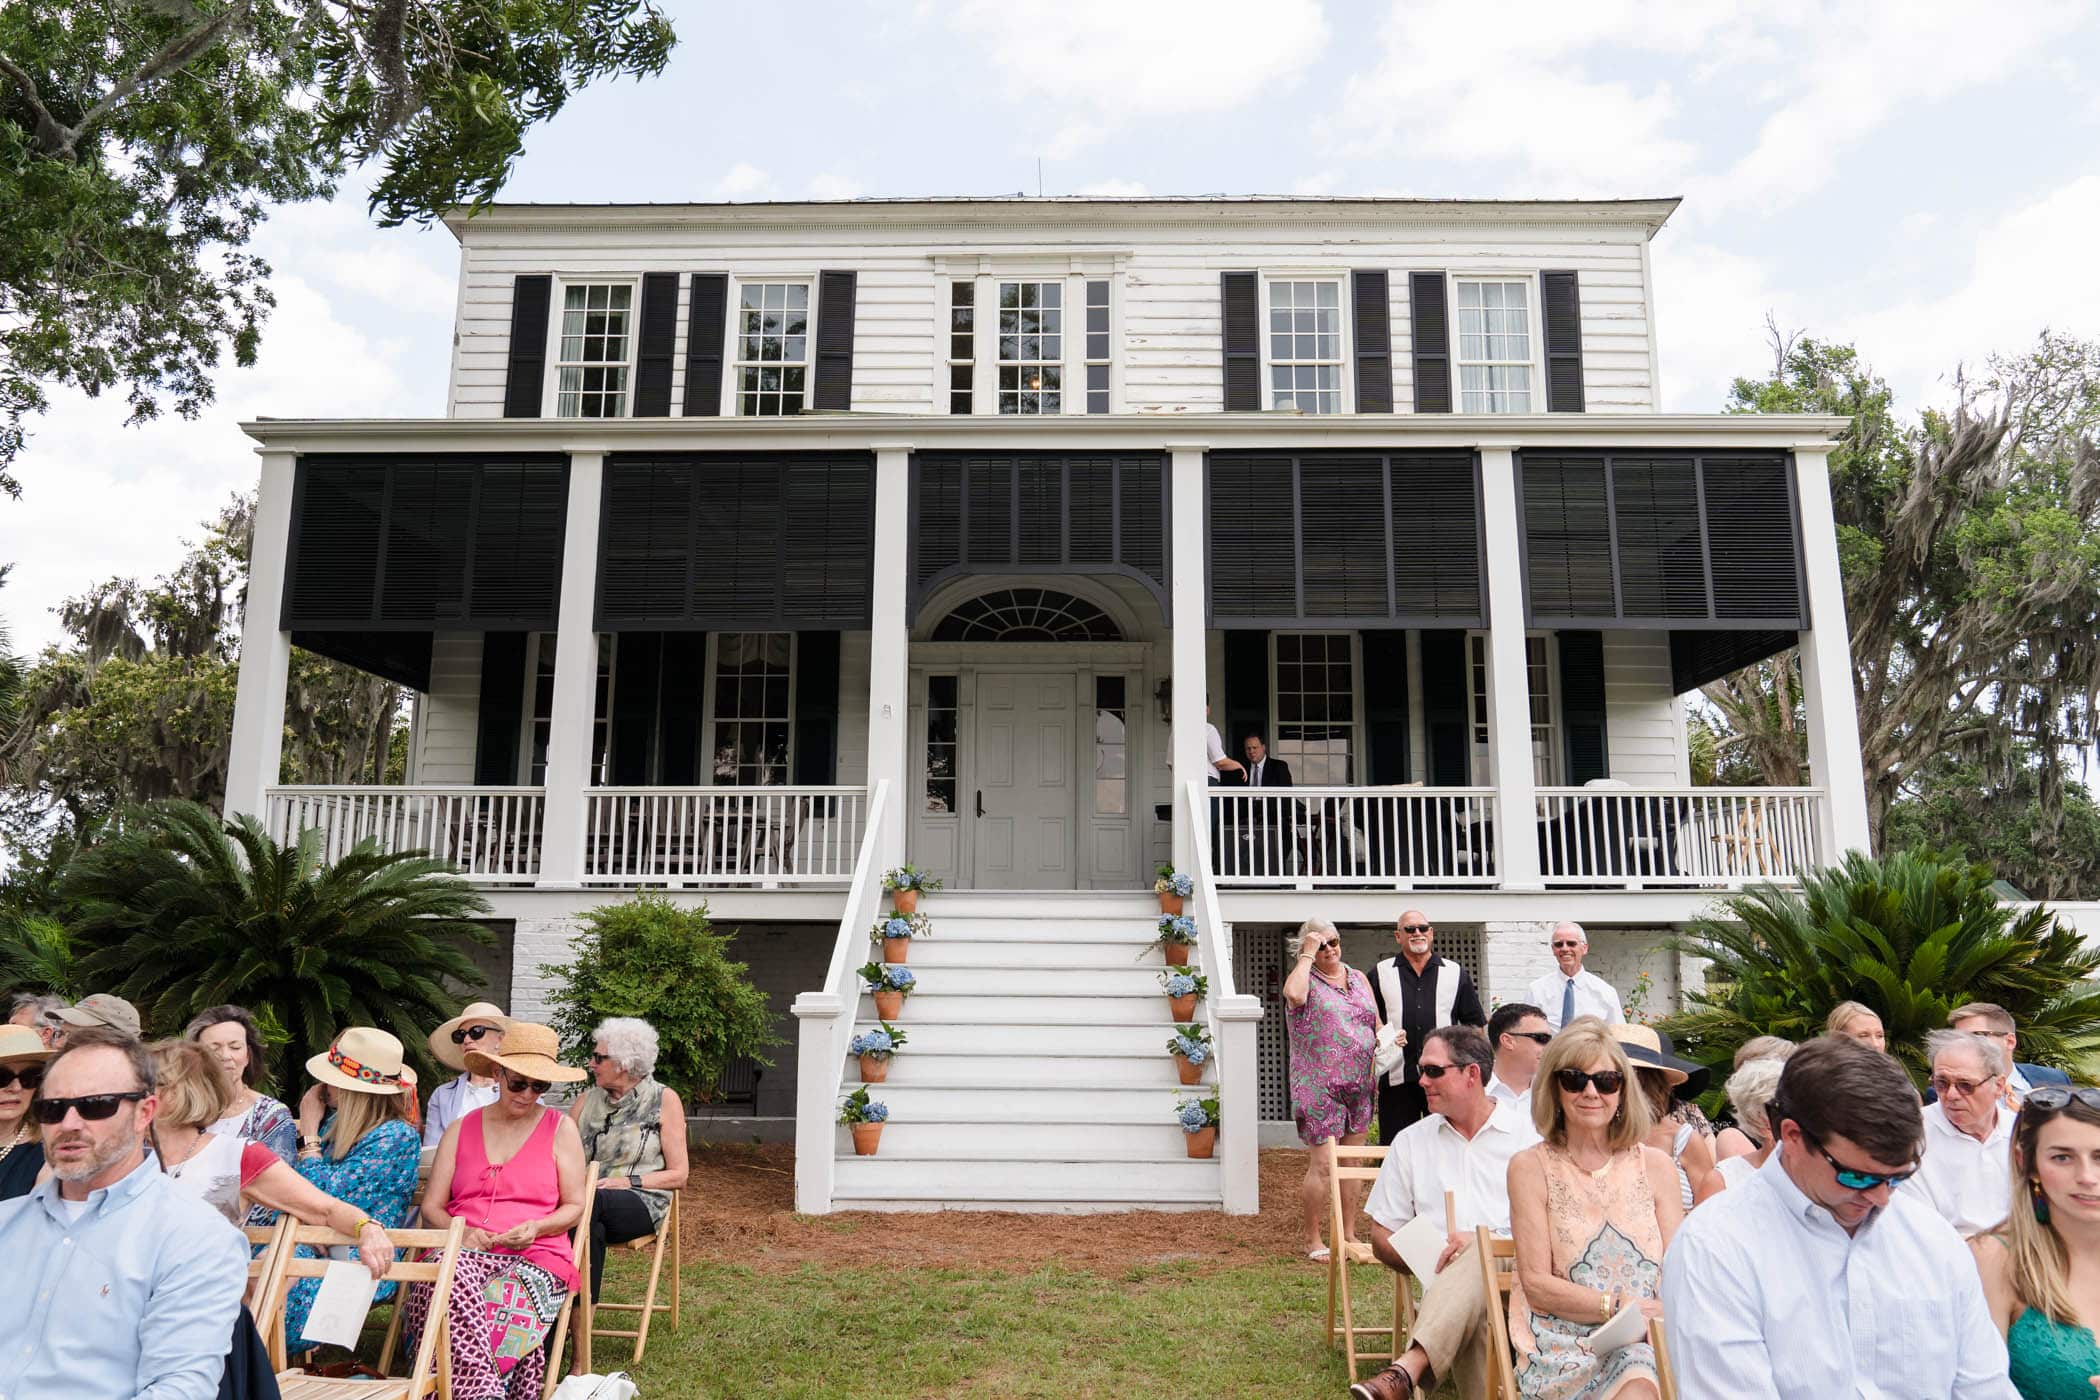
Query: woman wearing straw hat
{"x": 514, "y": 1173}
{"x": 479, "y": 1027}
{"x": 1662, "y": 1076}
{"x": 22, "y": 1056}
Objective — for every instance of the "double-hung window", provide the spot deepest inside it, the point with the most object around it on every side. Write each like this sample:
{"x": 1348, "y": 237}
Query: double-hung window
{"x": 1539, "y": 657}
{"x": 1494, "y": 345}
{"x": 1031, "y": 347}
{"x": 596, "y": 350}
{"x": 1315, "y": 730}
{"x": 753, "y": 710}
{"x": 772, "y": 348}
{"x": 539, "y": 724}
{"x": 1305, "y": 346}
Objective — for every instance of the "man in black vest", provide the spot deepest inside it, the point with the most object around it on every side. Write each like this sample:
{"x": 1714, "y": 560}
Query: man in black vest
{"x": 1420, "y": 991}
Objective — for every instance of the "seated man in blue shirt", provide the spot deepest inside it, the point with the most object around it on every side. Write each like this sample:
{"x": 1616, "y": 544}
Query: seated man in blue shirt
{"x": 118, "y": 1285}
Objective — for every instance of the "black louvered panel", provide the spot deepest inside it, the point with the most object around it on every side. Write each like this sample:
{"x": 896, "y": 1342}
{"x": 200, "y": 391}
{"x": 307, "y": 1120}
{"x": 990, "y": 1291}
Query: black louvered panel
{"x": 646, "y": 550}
{"x": 518, "y": 529}
{"x": 1251, "y": 573}
{"x": 1655, "y": 502}
{"x": 655, "y": 344}
{"x": 1239, "y": 307}
{"x": 426, "y": 544}
{"x": 829, "y": 513}
{"x": 1753, "y": 540}
{"x": 937, "y": 538}
{"x": 1091, "y": 519}
{"x": 1041, "y": 481}
{"x": 1342, "y": 536}
{"x": 1567, "y": 537}
{"x": 706, "y": 327}
{"x": 836, "y": 292}
{"x": 1431, "y": 327}
{"x": 525, "y": 373}
{"x": 1708, "y": 655}
{"x": 335, "y": 544}
{"x": 736, "y": 566}
{"x": 1374, "y": 342}
{"x": 1143, "y": 485}
{"x": 1436, "y": 537}
{"x": 1560, "y": 301}
{"x": 990, "y": 504}
{"x": 1582, "y": 704}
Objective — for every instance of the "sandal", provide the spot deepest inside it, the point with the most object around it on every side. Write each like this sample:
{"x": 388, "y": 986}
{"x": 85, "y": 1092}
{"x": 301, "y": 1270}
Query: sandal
{"x": 1320, "y": 1255}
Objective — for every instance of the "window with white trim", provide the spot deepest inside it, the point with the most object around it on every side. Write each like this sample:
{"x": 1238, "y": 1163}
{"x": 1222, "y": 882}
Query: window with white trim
{"x": 962, "y": 343}
{"x": 1305, "y": 346}
{"x": 1111, "y": 746}
{"x": 1315, "y": 727}
{"x": 943, "y": 729}
{"x": 772, "y": 348}
{"x": 540, "y": 721}
{"x": 1097, "y": 342}
{"x": 1545, "y": 727}
{"x": 753, "y": 712}
{"x": 1031, "y": 347}
{"x": 1494, "y": 346}
{"x": 595, "y": 351}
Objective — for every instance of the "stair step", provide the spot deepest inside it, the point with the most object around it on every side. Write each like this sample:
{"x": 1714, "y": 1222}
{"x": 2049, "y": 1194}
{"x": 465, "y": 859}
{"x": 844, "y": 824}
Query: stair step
{"x": 915, "y": 1067}
{"x": 1046, "y": 925}
{"x": 1034, "y": 1142}
{"x": 1183, "y": 1180}
{"x": 1004, "y": 904}
{"x": 1140, "y": 1038}
{"x": 1084, "y": 950}
{"x": 1095, "y": 1010}
{"x": 993, "y": 1107}
{"x": 1079, "y": 982}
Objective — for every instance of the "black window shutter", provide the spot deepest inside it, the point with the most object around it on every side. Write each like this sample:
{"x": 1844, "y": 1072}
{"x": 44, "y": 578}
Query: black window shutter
{"x": 1374, "y": 342}
{"x": 936, "y": 541}
{"x": 1655, "y": 516}
{"x": 706, "y": 325}
{"x": 684, "y": 671}
{"x": 525, "y": 379}
{"x": 835, "y": 297}
{"x": 1751, "y": 535}
{"x": 1240, "y": 293}
{"x": 637, "y": 663}
{"x": 1342, "y": 526}
{"x": 817, "y": 708}
{"x": 1560, "y": 299}
{"x": 1432, "y": 341}
{"x": 1567, "y": 536}
{"x": 501, "y": 710}
{"x": 1582, "y": 706}
{"x": 1436, "y": 533}
{"x": 1385, "y": 706}
{"x": 1246, "y": 689}
{"x": 1444, "y": 708}
{"x": 656, "y": 345}
{"x": 1253, "y": 533}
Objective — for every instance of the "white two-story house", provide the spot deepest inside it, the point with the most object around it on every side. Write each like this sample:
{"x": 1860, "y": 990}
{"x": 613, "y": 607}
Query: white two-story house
{"x": 764, "y": 547}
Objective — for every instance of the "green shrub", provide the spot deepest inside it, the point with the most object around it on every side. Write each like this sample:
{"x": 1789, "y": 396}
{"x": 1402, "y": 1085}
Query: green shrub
{"x": 667, "y": 965}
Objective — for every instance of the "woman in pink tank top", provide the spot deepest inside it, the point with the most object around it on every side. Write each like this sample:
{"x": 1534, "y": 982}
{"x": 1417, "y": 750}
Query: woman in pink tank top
{"x": 514, "y": 1172}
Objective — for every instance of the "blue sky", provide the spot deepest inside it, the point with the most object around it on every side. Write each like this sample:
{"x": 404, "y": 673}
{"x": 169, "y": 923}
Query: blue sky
{"x": 1920, "y": 178}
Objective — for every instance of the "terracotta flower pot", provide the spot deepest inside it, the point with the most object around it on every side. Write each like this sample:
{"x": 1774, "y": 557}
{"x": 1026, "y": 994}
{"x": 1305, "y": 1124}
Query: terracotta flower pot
{"x": 889, "y": 1005}
{"x": 873, "y": 1069}
{"x": 906, "y": 901}
{"x": 866, "y": 1138}
{"x": 1202, "y": 1141}
{"x": 1184, "y": 1008}
{"x": 1177, "y": 954}
{"x": 1190, "y": 1074}
{"x": 1169, "y": 903}
{"x": 895, "y": 950}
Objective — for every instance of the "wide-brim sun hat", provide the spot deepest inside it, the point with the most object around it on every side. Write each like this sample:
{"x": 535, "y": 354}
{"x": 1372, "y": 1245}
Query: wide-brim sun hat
{"x": 528, "y": 1049}
{"x": 454, "y": 1056}
{"x": 364, "y": 1060}
{"x": 22, "y": 1043}
{"x": 1648, "y": 1048}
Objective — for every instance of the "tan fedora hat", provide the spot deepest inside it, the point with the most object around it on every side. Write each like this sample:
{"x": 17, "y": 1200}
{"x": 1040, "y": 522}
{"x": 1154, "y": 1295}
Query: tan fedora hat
{"x": 22, "y": 1043}
{"x": 528, "y": 1049}
{"x": 103, "y": 1009}
{"x": 363, "y": 1060}
{"x": 477, "y": 1013}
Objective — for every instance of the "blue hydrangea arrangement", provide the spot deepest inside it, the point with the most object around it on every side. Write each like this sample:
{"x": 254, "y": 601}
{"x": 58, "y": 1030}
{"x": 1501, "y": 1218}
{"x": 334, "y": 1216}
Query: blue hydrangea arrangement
{"x": 909, "y": 877}
{"x": 902, "y": 926}
{"x": 1177, "y": 928}
{"x": 1195, "y": 1115}
{"x": 1172, "y": 881}
{"x": 1180, "y": 982}
{"x": 888, "y": 977}
{"x": 881, "y": 1043}
{"x": 1191, "y": 1042}
{"x": 859, "y": 1108}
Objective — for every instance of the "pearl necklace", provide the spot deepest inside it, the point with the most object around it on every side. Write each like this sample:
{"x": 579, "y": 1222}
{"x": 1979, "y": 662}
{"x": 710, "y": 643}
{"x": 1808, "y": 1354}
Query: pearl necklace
{"x": 21, "y": 1136}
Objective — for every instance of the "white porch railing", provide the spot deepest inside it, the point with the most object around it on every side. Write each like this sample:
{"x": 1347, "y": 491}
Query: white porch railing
{"x": 1231, "y": 1017}
{"x": 1311, "y": 837}
{"x": 722, "y": 835}
{"x": 491, "y": 833}
{"x": 1708, "y": 836}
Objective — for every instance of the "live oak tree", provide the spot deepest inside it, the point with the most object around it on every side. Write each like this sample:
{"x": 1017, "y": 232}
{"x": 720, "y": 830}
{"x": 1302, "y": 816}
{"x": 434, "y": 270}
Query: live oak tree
{"x": 143, "y": 142}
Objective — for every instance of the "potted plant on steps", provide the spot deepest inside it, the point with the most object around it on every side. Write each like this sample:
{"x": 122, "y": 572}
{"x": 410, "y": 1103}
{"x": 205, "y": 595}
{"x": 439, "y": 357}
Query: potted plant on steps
{"x": 865, "y": 1117}
{"x": 1172, "y": 888}
{"x": 1177, "y": 934}
{"x": 897, "y": 932}
{"x": 1184, "y": 988}
{"x": 889, "y": 985}
{"x": 874, "y": 1049}
{"x": 905, "y": 884}
{"x": 1190, "y": 1048}
{"x": 1199, "y": 1121}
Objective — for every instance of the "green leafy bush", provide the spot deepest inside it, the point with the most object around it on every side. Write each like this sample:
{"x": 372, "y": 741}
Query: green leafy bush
{"x": 650, "y": 958}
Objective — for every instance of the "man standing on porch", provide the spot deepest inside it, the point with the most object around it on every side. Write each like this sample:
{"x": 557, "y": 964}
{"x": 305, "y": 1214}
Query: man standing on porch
{"x": 1214, "y": 750}
{"x": 1418, "y": 991}
{"x": 1571, "y": 992}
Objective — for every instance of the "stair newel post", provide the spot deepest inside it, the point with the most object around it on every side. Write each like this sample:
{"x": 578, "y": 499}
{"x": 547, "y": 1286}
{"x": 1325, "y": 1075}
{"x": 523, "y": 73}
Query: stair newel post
{"x": 818, "y": 1072}
{"x": 1239, "y": 1141}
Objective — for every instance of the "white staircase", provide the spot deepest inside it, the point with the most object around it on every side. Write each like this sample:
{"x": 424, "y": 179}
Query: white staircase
{"x": 1036, "y": 1075}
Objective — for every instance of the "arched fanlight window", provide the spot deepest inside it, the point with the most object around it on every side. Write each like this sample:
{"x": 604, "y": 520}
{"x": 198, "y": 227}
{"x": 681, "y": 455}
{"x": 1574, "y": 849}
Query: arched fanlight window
{"x": 1027, "y": 615}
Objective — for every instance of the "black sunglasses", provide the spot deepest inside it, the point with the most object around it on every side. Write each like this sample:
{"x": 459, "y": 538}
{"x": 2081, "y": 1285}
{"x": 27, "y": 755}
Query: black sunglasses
{"x": 2051, "y": 1098}
{"x": 29, "y": 1077}
{"x": 93, "y": 1107}
{"x": 1437, "y": 1071}
{"x": 1541, "y": 1037}
{"x": 1414, "y": 928}
{"x": 518, "y": 1084}
{"x": 1573, "y": 1081}
{"x": 467, "y": 1033}
{"x": 1851, "y": 1178}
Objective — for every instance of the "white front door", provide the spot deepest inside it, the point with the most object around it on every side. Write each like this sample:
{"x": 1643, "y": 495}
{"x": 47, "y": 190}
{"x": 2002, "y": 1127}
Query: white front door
{"x": 1024, "y": 804}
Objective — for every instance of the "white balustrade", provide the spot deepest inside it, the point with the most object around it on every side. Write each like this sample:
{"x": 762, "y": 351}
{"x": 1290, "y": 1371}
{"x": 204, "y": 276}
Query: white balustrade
{"x": 1231, "y": 1017}
{"x": 1314, "y": 837}
{"x": 722, "y": 835}
{"x": 491, "y": 833}
{"x": 1702, "y": 837}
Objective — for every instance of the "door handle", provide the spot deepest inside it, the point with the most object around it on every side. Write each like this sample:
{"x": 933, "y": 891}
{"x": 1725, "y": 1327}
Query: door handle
{"x": 980, "y": 802}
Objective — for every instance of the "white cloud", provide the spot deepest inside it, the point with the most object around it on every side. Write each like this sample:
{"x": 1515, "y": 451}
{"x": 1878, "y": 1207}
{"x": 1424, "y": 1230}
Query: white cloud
{"x": 1114, "y": 189}
{"x": 1709, "y": 320}
{"x": 830, "y": 186}
{"x": 744, "y": 182}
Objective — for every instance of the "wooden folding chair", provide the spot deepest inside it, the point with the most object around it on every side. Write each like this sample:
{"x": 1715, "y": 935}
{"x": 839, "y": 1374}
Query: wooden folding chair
{"x": 579, "y": 1296}
{"x": 432, "y": 1375}
{"x": 1498, "y": 1267}
{"x": 665, "y": 1238}
{"x": 1750, "y": 849}
{"x": 1360, "y": 1164}
{"x": 262, "y": 1264}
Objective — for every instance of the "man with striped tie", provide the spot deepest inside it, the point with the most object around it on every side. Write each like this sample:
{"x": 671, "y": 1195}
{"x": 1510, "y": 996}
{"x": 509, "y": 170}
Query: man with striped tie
{"x": 1571, "y": 992}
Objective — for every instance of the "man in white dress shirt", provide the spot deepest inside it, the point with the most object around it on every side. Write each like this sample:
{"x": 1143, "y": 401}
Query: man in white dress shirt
{"x": 1967, "y": 1172}
{"x": 1463, "y": 1146}
{"x": 1518, "y": 1032}
{"x": 1571, "y": 992}
{"x": 1819, "y": 1279}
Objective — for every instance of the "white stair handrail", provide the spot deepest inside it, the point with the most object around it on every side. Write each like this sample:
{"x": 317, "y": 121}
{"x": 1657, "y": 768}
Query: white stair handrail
{"x": 1231, "y": 1018}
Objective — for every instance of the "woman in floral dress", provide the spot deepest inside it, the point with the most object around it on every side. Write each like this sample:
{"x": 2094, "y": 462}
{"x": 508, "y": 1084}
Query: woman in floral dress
{"x": 1333, "y": 1023}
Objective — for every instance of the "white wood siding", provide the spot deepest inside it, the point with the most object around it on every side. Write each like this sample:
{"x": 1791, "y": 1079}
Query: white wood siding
{"x": 1644, "y": 723}
{"x": 451, "y": 710}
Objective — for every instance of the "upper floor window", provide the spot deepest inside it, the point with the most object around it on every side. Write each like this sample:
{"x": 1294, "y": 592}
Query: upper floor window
{"x": 962, "y": 343}
{"x": 1097, "y": 342}
{"x": 772, "y": 348}
{"x": 1305, "y": 346}
{"x": 596, "y": 349}
{"x": 1031, "y": 347}
{"x": 1494, "y": 346}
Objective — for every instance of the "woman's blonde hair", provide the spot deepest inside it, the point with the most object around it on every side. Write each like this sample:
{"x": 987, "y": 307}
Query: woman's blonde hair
{"x": 357, "y": 1114}
{"x": 2041, "y": 1266}
{"x": 1581, "y": 1042}
{"x": 1844, "y": 1014}
{"x": 192, "y": 1092}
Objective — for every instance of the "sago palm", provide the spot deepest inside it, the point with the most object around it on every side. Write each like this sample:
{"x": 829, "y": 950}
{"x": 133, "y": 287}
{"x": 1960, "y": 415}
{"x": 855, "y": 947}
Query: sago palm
{"x": 180, "y": 911}
{"x": 1912, "y": 935}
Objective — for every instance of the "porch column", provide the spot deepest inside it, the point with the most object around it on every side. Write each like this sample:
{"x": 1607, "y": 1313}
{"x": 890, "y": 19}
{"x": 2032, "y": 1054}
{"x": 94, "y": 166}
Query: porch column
{"x": 266, "y": 648}
{"x": 1189, "y": 597}
{"x": 575, "y": 709}
{"x": 1508, "y": 680}
{"x": 889, "y": 645}
{"x": 1826, "y": 668}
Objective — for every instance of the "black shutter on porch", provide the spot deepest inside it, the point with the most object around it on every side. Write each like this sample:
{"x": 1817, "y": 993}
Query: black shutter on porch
{"x": 817, "y": 708}
{"x": 1385, "y": 706}
{"x": 1444, "y": 707}
{"x": 684, "y": 672}
{"x": 834, "y": 371}
{"x": 1246, "y": 689}
{"x": 1426, "y": 304}
{"x": 1582, "y": 706}
{"x": 1240, "y": 306}
{"x": 525, "y": 378}
{"x": 1374, "y": 342}
{"x": 501, "y": 713}
{"x": 655, "y": 345}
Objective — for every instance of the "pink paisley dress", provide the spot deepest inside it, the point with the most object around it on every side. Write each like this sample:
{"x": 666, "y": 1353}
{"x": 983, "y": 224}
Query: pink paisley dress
{"x": 1333, "y": 1037}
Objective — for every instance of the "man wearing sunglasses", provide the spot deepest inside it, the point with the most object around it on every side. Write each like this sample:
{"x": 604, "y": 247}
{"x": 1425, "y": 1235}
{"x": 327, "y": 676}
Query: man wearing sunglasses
{"x": 1519, "y": 1034}
{"x": 117, "y": 1282}
{"x": 1967, "y": 1172}
{"x": 1817, "y": 1279}
{"x": 1571, "y": 990}
{"x": 1419, "y": 991}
